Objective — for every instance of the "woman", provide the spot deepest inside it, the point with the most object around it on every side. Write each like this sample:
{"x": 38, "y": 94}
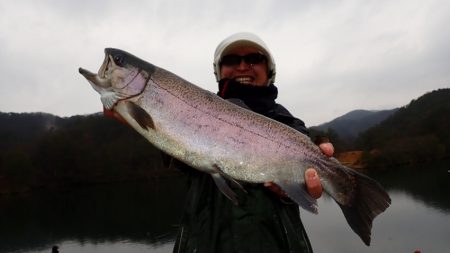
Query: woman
{"x": 265, "y": 220}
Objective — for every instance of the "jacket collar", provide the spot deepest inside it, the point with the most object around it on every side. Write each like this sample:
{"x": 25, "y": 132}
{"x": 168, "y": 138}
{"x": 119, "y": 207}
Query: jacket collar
{"x": 258, "y": 99}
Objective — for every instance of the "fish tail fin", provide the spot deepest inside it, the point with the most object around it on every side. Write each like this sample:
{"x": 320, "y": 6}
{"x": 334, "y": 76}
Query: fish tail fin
{"x": 368, "y": 199}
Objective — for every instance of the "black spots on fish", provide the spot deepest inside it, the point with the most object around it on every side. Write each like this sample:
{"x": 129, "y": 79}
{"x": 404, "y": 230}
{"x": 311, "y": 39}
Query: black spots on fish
{"x": 238, "y": 102}
{"x": 140, "y": 116}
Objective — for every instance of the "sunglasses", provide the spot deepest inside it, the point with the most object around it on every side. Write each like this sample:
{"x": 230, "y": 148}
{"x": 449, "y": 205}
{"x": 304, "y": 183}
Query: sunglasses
{"x": 250, "y": 59}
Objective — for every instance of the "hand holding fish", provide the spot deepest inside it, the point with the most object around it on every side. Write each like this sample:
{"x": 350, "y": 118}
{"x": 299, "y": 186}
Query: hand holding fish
{"x": 229, "y": 142}
{"x": 312, "y": 180}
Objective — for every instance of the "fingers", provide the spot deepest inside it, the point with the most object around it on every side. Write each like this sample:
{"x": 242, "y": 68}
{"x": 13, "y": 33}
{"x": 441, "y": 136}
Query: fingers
{"x": 327, "y": 148}
{"x": 313, "y": 184}
{"x": 312, "y": 181}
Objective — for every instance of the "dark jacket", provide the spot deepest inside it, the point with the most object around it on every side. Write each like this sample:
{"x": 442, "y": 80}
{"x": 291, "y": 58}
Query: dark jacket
{"x": 262, "y": 222}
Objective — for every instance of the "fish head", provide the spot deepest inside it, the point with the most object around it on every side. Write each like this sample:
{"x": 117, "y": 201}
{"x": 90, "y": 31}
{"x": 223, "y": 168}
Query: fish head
{"x": 121, "y": 76}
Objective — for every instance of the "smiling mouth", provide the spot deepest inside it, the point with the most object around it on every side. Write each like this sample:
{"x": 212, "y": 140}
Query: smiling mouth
{"x": 244, "y": 79}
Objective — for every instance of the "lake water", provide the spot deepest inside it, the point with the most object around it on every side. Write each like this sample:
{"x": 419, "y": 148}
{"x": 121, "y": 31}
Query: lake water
{"x": 142, "y": 217}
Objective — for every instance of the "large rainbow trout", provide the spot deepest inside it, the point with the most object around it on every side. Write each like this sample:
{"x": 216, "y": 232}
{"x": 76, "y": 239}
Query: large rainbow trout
{"x": 229, "y": 142}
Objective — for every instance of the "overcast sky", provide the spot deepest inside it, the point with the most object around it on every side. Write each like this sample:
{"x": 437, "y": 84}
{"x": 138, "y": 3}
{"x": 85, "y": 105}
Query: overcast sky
{"x": 332, "y": 56}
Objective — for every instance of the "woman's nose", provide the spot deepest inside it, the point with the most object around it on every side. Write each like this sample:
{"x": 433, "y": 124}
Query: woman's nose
{"x": 243, "y": 65}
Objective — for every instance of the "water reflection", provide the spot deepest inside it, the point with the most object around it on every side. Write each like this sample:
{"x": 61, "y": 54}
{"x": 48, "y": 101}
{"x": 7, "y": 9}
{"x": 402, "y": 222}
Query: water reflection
{"x": 406, "y": 226}
{"x": 144, "y": 213}
{"x": 418, "y": 219}
{"x": 142, "y": 217}
{"x": 107, "y": 247}
{"x": 428, "y": 183}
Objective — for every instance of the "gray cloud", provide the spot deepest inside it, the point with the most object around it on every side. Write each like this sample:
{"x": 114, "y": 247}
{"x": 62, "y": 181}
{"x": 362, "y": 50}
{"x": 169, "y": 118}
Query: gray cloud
{"x": 331, "y": 57}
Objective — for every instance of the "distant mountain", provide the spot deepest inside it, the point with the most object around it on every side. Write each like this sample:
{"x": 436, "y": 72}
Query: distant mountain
{"x": 18, "y": 128}
{"x": 43, "y": 150}
{"x": 416, "y": 132}
{"x": 40, "y": 150}
{"x": 349, "y": 125}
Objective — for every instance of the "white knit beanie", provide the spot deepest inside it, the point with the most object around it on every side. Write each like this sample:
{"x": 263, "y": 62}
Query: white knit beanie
{"x": 241, "y": 40}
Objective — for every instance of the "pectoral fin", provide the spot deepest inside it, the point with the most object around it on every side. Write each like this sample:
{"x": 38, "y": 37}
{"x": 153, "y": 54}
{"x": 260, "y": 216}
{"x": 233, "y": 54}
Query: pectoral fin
{"x": 140, "y": 116}
{"x": 232, "y": 180}
{"x": 297, "y": 192}
{"x": 224, "y": 188}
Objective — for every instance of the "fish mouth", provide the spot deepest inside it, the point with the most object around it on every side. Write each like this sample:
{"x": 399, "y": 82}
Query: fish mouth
{"x": 101, "y": 79}
{"x": 102, "y": 82}
{"x": 116, "y": 79}
{"x": 105, "y": 66}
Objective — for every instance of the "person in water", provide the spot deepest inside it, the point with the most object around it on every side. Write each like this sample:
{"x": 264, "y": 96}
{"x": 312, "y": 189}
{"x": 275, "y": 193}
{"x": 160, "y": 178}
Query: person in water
{"x": 265, "y": 219}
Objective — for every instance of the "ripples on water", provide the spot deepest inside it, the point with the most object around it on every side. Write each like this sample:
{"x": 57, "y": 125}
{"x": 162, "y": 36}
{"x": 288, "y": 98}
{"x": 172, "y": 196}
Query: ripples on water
{"x": 143, "y": 217}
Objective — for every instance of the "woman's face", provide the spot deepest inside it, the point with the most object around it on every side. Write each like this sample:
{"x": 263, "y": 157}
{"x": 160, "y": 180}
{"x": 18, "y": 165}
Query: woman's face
{"x": 249, "y": 74}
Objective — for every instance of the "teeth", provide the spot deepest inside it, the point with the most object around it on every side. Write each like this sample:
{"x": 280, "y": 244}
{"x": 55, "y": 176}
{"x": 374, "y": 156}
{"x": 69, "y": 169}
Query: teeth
{"x": 244, "y": 80}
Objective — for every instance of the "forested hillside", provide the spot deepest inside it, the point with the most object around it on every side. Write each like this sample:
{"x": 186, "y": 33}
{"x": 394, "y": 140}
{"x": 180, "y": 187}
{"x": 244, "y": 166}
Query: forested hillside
{"x": 418, "y": 132}
{"x": 41, "y": 150}
{"x": 344, "y": 130}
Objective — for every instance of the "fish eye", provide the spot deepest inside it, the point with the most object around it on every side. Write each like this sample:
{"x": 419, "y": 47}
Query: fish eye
{"x": 118, "y": 59}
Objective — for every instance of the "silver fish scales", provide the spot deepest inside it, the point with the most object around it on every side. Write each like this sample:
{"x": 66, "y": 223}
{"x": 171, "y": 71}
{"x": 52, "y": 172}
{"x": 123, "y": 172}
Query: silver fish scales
{"x": 227, "y": 141}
